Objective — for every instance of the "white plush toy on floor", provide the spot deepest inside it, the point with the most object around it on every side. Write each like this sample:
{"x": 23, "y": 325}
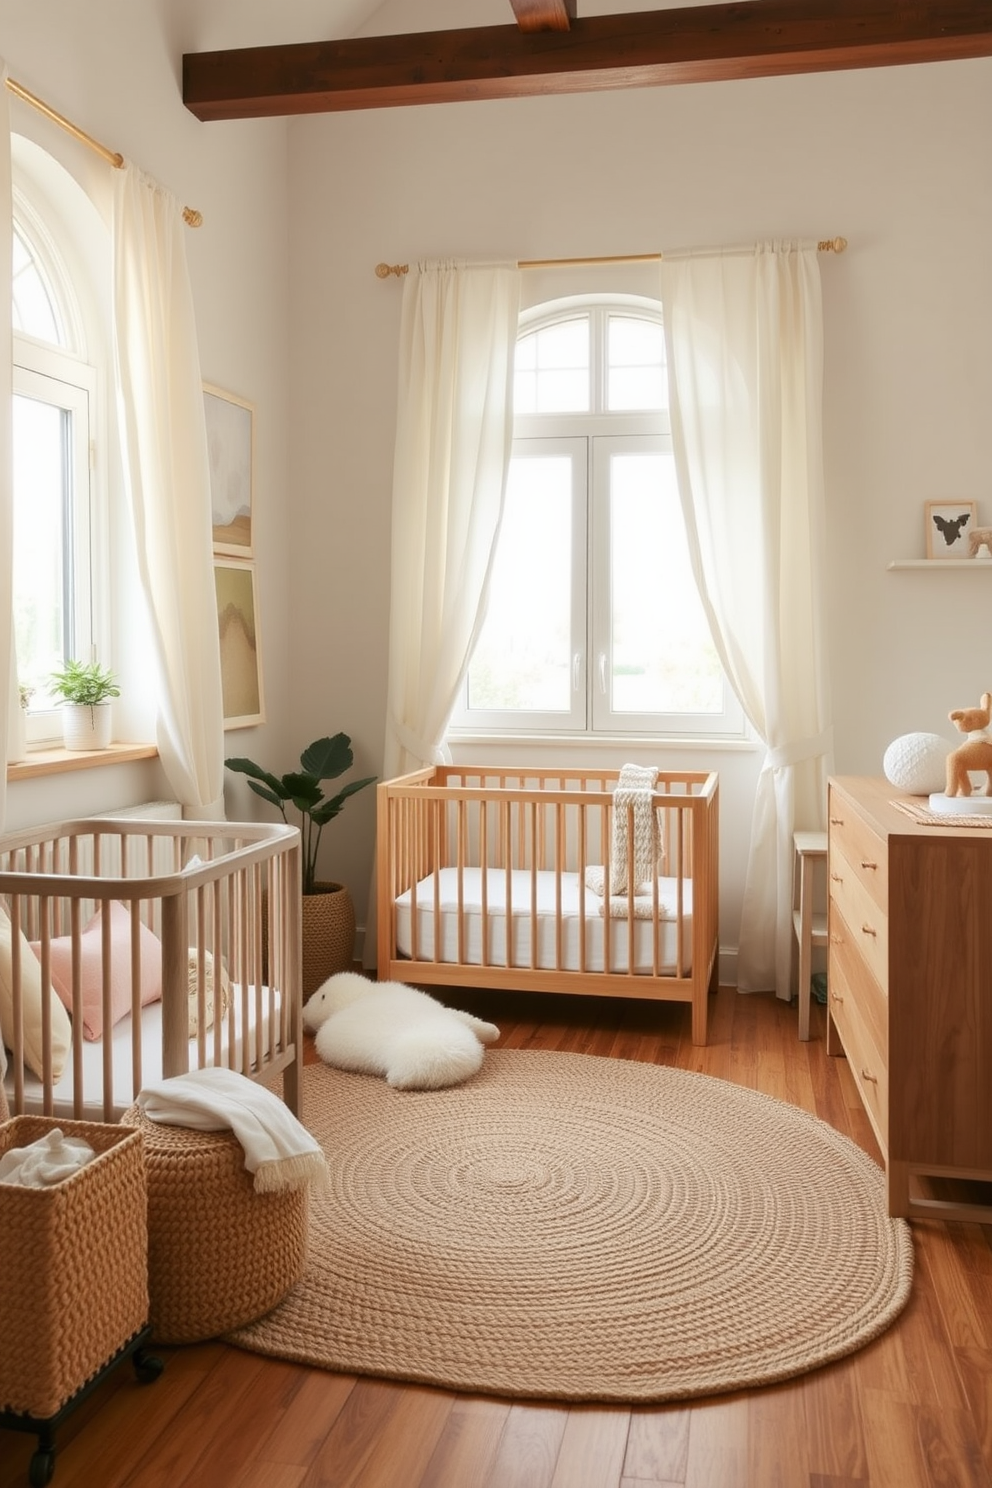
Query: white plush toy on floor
{"x": 386, "y": 1028}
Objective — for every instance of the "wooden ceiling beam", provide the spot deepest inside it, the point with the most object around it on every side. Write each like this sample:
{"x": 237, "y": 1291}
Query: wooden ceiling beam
{"x": 544, "y": 15}
{"x": 708, "y": 43}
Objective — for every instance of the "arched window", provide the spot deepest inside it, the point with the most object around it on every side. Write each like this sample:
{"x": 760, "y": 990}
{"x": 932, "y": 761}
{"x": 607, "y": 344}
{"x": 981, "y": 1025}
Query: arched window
{"x": 55, "y": 548}
{"x": 594, "y": 623}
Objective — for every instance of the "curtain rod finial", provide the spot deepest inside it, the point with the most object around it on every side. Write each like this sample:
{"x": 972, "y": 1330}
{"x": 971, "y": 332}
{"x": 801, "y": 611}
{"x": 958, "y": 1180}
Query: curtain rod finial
{"x": 832, "y": 245}
{"x": 383, "y": 270}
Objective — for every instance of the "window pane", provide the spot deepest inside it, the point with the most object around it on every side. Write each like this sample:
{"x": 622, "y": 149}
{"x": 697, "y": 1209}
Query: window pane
{"x": 523, "y": 658}
{"x": 562, "y": 392}
{"x": 634, "y": 388}
{"x": 33, "y": 306}
{"x": 636, "y": 375}
{"x": 41, "y": 432}
{"x": 663, "y": 660}
{"x": 552, "y": 369}
{"x": 524, "y": 390}
{"x": 635, "y": 342}
{"x": 564, "y": 345}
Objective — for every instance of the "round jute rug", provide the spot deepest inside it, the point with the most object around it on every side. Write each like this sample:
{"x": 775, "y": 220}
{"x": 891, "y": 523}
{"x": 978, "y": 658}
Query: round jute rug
{"x": 575, "y": 1228}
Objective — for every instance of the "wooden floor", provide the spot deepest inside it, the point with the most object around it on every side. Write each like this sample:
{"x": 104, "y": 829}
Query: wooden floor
{"x": 912, "y": 1409}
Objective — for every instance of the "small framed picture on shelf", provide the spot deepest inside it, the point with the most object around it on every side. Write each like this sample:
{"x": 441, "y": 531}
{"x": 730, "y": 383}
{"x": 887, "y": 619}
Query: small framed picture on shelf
{"x": 948, "y": 525}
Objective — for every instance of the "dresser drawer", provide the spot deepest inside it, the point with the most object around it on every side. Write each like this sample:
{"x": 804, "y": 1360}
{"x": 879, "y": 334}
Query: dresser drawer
{"x": 860, "y": 986}
{"x": 866, "y": 1062}
{"x": 857, "y": 915}
{"x": 864, "y": 853}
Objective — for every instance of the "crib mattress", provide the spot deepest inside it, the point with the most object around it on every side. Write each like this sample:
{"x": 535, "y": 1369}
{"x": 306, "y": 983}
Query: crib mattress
{"x": 151, "y": 1058}
{"x": 540, "y": 939}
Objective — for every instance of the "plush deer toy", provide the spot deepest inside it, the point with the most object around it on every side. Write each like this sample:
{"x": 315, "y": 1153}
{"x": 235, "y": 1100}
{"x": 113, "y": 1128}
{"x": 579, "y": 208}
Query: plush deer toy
{"x": 976, "y": 752}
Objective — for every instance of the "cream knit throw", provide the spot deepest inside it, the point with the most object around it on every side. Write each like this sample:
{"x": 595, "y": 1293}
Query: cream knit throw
{"x": 634, "y": 859}
{"x": 635, "y": 788}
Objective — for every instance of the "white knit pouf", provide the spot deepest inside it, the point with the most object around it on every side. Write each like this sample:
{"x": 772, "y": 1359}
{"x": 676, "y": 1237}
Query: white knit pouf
{"x": 917, "y": 763}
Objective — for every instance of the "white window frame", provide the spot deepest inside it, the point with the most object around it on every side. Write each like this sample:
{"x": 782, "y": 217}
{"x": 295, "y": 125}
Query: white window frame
{"x": 601, "y": 432}
{"x": 64, "y": 377}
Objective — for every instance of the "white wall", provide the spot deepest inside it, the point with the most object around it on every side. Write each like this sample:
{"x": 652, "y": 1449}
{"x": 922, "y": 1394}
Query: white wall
{"x": 114, "y": 68}
{"x": 895, "y": 160}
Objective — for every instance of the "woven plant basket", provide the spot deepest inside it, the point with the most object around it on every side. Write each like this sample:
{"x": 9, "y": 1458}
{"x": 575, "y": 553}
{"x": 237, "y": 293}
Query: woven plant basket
{"x": 220, "y": 1255}
{"x": 73, "y": 1267}
{"x": 328, "y": 934}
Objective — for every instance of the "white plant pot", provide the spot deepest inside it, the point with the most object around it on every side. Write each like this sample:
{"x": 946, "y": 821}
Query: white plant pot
{"x": 86, "y": 726}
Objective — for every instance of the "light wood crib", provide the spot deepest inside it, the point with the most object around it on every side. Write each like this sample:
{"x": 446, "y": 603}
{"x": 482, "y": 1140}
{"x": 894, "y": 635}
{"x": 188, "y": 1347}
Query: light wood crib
{"x": 457, "y": 848}
{"x": 175, "y": 945}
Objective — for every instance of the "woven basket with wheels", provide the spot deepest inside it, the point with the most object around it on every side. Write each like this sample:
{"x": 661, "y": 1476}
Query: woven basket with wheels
{"x": 73, "y": 1281}
{"x": 219, "y": 1254}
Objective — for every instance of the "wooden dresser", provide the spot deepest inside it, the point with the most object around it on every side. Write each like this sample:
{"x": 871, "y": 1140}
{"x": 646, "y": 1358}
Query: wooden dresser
{"x": 910, "y": 994}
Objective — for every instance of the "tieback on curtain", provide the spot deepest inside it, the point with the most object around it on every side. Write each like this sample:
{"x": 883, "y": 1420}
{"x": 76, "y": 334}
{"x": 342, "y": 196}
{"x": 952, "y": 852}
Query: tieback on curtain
{"x": 428, "y": 754}
{"x": 813, "y": 747}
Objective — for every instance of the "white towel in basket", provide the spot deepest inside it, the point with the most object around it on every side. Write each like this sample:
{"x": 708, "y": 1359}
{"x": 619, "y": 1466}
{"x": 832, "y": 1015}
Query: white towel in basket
{"x": 48, "y": 1160}
{"x": 278, "y": 1149}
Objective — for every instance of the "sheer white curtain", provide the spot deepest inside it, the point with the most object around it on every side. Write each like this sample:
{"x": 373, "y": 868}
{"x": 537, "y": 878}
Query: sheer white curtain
{"x": 8, "y": 670}
{"x": 160, "y": 399}
{"x": 453, "y": 434}
{"x": 745, "y": 347}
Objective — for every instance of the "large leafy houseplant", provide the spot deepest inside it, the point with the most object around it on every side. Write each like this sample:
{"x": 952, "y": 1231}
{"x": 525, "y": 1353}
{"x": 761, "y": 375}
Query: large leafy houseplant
{"x": 325, "y": 759}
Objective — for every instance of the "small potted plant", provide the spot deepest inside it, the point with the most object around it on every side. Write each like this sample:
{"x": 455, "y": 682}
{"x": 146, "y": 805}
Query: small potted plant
{"x": 328, "y": 911}
{"x": 86, "y": 689}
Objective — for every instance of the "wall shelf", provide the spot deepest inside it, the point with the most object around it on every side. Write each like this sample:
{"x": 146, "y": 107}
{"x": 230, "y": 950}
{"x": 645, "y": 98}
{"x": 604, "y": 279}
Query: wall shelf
{"x": 939, "y": 563}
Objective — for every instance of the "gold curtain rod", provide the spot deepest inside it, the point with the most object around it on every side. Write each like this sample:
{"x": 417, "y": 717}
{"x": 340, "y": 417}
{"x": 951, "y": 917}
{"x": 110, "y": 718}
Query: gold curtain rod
{"x": 383, "y": 270}
{"x": 191, "y": 216}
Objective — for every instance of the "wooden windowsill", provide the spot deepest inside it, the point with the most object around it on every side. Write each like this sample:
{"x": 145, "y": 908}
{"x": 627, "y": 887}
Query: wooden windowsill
{"x": 61, "y": 761}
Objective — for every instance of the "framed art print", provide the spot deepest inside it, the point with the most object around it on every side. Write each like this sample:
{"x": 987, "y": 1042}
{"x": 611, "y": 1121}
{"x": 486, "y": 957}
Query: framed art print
{"x": 948, "y": 523}
{"x": 230, "y": 425}
{"x": 240, "y": 649}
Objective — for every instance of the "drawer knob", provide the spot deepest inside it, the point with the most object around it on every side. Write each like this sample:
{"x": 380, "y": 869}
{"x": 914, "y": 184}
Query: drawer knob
{"x": 867, "y": 930}
{"x": 867, "y": 863}
{"x": 836, "y": 821}
{"x": 836, "y": 997}
{"x": 866, "y": 1074}
{"x": 836, "y": 878}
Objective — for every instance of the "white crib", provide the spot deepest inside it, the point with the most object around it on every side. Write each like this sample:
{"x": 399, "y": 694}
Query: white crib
{"x": 111, "y": 907}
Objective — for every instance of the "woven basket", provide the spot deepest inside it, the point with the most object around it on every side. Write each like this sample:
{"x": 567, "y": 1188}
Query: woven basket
{"x": 219, "y": 1254}
{"x": 73, "y": 1267}
{"x": 328, "y": 934}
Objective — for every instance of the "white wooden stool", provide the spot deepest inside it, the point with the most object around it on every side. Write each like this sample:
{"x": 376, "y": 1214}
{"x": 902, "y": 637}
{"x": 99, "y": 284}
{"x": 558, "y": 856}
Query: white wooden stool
{"x": 810, "y": 924}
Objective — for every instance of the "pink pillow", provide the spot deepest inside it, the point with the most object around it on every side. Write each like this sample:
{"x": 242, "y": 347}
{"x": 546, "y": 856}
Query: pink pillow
{"x": 91, "y": 968}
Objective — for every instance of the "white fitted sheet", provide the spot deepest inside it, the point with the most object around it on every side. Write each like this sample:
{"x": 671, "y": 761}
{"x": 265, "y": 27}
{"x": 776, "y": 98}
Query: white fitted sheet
{"x": 151, "y": 1059}
{"x": 523, "y": 924}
